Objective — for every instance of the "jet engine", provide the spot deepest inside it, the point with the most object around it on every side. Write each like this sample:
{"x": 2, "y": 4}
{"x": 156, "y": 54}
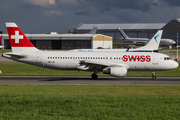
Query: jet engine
{"x": 115, "y": 71}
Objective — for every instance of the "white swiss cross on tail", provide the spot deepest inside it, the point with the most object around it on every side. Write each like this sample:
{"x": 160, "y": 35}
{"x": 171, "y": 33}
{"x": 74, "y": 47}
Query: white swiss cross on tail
{"x": 16, "y": 36}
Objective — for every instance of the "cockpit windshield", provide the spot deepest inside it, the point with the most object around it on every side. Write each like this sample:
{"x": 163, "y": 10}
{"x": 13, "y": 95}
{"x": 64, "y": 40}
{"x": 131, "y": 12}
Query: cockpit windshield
{"x": 167, "y": 58}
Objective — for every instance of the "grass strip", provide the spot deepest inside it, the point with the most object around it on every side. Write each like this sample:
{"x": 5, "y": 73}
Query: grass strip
{"x": 90, "y": 89}
{"x": 89, "y": 102}
{"x": 6, "y": 50}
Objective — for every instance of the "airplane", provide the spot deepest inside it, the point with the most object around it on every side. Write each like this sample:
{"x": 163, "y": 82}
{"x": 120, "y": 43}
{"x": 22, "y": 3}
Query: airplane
{"x": 144, "y": 40}
{"x": 1, "y": 46}
{"x": 114, "y": 63}
{"x": 152, "y": 45}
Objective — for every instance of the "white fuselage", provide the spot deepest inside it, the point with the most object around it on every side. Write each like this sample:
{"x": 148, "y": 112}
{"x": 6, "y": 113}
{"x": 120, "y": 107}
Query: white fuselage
{"x": 145, "y": 40}
{"x": 70, "y": 60}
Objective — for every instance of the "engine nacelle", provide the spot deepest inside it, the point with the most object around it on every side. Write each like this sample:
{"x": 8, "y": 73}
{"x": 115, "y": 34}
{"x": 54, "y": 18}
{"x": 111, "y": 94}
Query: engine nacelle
{"x": 116, "y": 71}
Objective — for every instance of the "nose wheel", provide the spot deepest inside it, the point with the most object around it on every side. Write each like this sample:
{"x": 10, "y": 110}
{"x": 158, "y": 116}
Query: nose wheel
{"x": 94, "y": 76}
{"x": 153, "y": 75}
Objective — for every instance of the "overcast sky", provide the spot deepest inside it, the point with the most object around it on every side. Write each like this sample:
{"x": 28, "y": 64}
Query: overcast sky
{"x": 42, "y": 16}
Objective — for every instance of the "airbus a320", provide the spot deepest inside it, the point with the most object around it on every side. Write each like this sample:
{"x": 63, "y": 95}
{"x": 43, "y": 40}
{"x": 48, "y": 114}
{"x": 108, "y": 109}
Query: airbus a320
{"x": 114, "y": 63}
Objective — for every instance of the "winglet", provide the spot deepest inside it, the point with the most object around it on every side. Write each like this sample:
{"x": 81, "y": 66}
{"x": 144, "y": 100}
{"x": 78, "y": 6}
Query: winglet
{"x": 127, "y": 49}
{"x": 93, "y": 31}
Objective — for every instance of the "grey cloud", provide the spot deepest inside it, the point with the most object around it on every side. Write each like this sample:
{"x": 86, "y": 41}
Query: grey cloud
{"x": 42, "y": 3}
{"x": 40, "y": 19}
{"x": 120, "y": 4}
{"x": 82, "y": 13}
{"x": 172, "y": 2}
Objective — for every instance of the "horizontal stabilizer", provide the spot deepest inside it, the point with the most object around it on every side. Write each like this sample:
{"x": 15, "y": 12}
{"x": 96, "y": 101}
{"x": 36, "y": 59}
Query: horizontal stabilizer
{"x": 14, "y": 55}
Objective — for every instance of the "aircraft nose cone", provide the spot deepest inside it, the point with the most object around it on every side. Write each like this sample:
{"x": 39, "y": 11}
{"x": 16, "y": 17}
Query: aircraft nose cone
{"x": 175, "y": 65}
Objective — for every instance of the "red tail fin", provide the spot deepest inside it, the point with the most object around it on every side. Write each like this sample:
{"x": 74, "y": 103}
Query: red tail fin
{"x": 17, "y": 39}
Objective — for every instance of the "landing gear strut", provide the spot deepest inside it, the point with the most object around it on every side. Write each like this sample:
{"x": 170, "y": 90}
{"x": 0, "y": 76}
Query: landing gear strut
{"x": 153, "y": 75}
{"x": 94, "y": 76}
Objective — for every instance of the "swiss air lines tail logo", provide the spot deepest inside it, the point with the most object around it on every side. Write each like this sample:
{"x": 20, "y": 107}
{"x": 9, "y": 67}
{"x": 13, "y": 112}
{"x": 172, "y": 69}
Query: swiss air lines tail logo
{"x": 156, "y": 37}
{"x": 16, "y": 36}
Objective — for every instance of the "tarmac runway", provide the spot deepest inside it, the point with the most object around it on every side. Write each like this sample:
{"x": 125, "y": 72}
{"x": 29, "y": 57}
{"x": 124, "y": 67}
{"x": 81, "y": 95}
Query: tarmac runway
{"x": 86, "y": 80}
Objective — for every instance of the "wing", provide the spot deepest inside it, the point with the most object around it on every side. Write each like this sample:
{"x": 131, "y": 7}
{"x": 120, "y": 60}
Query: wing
{"x": 91, "y": 65}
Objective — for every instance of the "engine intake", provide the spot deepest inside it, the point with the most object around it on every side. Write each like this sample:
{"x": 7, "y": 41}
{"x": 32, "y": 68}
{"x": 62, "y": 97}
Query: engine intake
{"x": 116, "y": 71}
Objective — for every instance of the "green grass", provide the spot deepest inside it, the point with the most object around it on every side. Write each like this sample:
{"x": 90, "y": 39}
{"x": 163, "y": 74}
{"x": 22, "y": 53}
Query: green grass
{"x": 174, "y": 52}
{"x": 6, "y": 50}
{"x": 166, "y": 48}
{"x": 25, "y": 69}
{"x": 92, "y": 102}
{"x": 89, "y": 90}
{"x": 120, "y": 45}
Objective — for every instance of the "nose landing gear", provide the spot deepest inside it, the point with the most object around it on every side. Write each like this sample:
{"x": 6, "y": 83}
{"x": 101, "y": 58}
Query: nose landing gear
{"x": 153, "y": 75}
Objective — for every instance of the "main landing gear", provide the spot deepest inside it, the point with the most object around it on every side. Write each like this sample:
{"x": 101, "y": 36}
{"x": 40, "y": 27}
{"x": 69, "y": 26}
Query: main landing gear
{"x": 153, "y": 75}
{"x": 94, "y": 75}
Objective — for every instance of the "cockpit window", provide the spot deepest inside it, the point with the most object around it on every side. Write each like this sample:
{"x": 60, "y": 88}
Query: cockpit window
{"x": 167, "y": 58}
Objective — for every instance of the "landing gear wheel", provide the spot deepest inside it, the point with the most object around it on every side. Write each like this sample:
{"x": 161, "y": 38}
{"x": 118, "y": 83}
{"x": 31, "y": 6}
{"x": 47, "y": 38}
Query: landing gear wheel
{"x": 94, "y": 76}
{"x": 154, "y": 77}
